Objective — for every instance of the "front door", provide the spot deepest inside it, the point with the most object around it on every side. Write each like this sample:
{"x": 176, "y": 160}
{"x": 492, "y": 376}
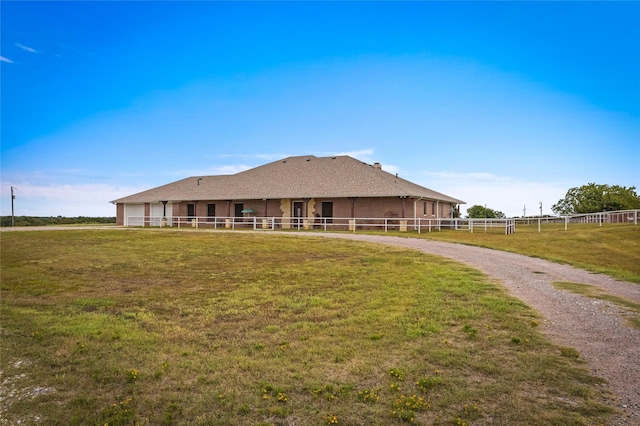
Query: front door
{"x": 327, "y": 210}
{"x": 297, "y": 212}
{"x": 191, "y": 211}
{"x": 239, "y": 208}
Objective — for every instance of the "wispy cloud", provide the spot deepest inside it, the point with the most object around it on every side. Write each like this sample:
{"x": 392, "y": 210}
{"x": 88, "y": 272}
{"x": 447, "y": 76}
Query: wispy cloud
{"x": 477, "y": 177}
{"x": 361, "y": 154}
{"x": 64, "y": 199}
{"x": 27, "y": 48}
{"x": 264, "y": 157}
{"x": 230, "y": 169}
{"x": 505, "y": 193}
{"x": 7, "y": 60}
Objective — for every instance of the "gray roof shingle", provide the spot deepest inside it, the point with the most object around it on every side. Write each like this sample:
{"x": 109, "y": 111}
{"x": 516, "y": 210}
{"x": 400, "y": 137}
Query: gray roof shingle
{"x": 293, "y": 177}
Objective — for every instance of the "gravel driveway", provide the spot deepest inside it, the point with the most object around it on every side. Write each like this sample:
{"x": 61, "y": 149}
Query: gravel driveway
{"x": 595, "y": 328}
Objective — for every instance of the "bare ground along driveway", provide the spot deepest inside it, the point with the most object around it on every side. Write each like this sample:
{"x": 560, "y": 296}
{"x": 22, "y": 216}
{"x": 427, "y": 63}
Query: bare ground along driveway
{"x": 597, "y": 329}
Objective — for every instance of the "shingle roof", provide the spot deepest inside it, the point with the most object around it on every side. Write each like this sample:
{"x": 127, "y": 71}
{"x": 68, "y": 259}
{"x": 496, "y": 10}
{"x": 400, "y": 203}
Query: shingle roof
{"x": 293, "y": 177}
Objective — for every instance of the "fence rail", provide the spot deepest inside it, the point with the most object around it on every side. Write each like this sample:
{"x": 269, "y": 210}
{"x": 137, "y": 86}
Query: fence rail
{"x": 325, "y": 224}
{"x": 506, "y": 226}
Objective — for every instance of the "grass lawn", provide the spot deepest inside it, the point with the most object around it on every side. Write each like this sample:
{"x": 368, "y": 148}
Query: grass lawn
{"x": 160, "y": 327}
{"x": 612, "y": 249}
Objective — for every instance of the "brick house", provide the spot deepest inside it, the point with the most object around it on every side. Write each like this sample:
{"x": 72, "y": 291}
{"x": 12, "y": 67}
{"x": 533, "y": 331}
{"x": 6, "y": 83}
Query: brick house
{"x": 304, "y": 187}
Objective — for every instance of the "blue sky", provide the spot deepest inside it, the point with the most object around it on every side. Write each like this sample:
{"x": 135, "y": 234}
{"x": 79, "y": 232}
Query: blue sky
{"x": 507, "y": 104}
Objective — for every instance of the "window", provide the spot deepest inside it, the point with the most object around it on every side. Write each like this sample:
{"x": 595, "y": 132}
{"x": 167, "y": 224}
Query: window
{"x": 433, "y": 208}
{"x": 424, "y": 208}
{"x": 191, "y": 210}
{"x": 211, "y": 211}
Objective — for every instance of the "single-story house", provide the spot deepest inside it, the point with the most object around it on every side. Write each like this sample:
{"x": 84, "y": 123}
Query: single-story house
{"x": 307, "y": 188}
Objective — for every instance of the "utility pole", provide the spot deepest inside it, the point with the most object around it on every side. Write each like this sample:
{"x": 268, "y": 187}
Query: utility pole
{"x": 13, "y": 197}
{"x": 524, "y": 211}
{"x": 540, "y": 218}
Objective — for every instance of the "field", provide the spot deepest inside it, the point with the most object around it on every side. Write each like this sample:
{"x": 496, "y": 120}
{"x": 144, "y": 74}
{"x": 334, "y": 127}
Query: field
{"x": 161, "y": 327}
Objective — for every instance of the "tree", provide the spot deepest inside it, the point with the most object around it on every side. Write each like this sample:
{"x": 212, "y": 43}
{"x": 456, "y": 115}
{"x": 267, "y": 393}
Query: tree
{"x": 482, "y": 212}
{"x": 593, "y": 198}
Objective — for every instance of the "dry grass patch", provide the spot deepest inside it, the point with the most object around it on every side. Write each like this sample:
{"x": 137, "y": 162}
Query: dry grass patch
{"x": 163, "y": 327}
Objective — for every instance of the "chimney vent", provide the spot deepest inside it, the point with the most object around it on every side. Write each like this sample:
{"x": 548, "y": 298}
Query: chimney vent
{"x": 377, "y": 166}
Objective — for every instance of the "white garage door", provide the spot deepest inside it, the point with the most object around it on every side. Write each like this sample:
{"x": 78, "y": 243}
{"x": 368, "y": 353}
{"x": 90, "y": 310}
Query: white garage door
{"x": 134, "y": 215}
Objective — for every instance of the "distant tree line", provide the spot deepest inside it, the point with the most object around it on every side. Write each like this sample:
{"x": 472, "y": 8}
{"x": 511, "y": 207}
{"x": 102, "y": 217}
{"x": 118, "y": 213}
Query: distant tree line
{"x": 477, "y": 212}
{"x": 594, "y": 198}
{"x": 54, "y": 220}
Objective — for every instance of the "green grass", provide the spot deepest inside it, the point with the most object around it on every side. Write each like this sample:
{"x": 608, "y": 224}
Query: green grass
{"x": 161, "y": 327}
{"x": 632, "y": 309}
{"x": 612, "y": 249}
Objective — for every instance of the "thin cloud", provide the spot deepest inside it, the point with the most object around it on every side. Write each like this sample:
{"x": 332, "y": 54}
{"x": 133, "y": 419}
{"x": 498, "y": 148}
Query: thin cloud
{"x": 64, "y": 199}
{"x": 211, "y": 171}
{"x": 468, "y": 177}
{"x": 356, "y": 154}
{"x": 510, "y": 195}
{"x": 27, "y": 48}
{"x": 266, "y": 157}
{"x": 7, "y": 60}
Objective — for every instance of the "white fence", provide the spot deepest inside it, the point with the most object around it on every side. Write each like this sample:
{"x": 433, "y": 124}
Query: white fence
{"x": 419, "y": 225}
{"x": 600, "y": 218}
{"x": 326, "y": 224}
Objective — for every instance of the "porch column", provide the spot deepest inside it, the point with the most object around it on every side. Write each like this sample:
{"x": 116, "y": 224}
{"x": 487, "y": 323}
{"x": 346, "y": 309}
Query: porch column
{"x": 305, "y": 213}
{"x": 404, "y": 205}
{"x": 163, "y": 223}
{"x": 353, "y": 205}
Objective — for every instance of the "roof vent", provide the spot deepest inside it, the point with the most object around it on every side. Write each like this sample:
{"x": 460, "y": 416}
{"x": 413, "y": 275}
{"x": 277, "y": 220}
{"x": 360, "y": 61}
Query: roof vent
{"x": 377, "y": 166}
